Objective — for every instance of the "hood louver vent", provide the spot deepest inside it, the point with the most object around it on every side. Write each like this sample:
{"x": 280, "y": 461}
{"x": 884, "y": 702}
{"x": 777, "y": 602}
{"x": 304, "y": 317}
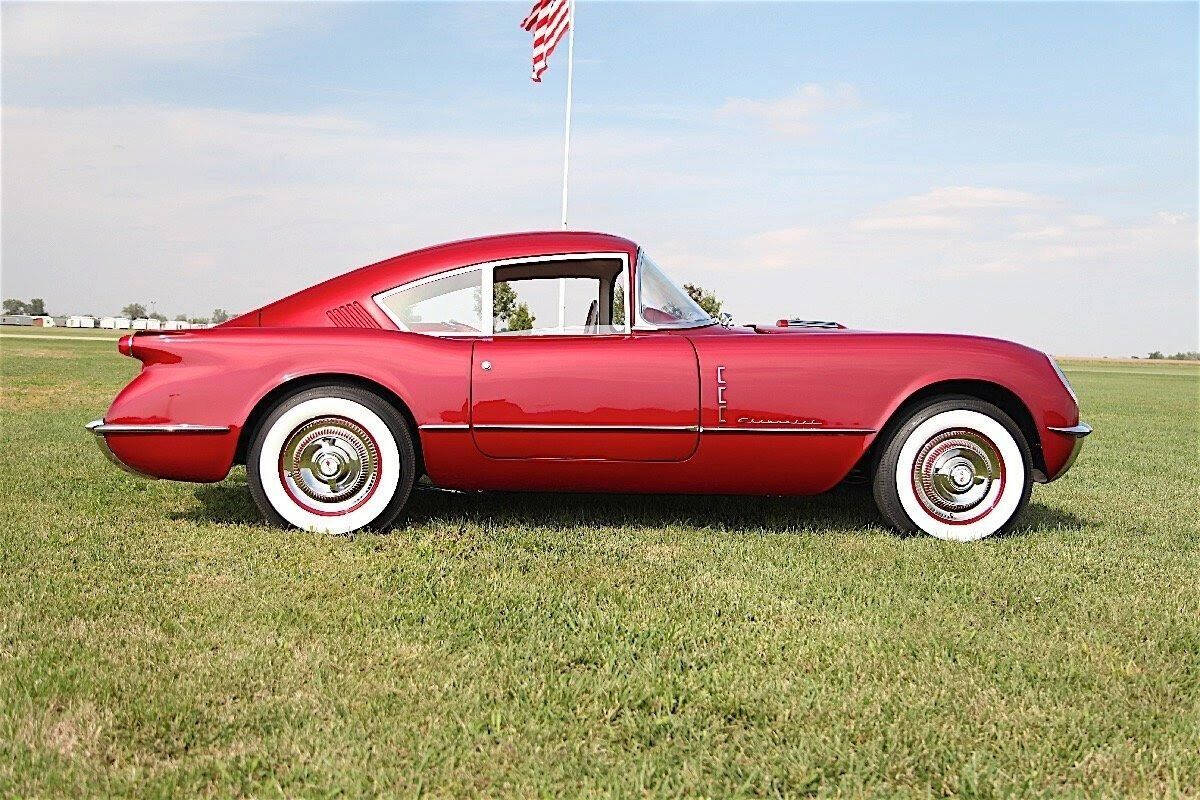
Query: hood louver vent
{"x": 813, "y": 323}
{"x": 351, "y": 315}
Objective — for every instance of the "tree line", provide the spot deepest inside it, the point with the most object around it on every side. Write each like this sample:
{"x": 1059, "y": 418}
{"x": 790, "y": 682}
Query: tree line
{"x": 36, "y": 307}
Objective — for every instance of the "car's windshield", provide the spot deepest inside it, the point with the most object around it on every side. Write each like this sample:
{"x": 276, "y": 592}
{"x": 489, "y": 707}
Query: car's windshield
{"x": 662, "y": 303}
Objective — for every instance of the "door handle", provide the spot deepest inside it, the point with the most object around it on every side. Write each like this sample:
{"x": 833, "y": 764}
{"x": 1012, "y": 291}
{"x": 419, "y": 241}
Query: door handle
{"x": 486, "y": 366}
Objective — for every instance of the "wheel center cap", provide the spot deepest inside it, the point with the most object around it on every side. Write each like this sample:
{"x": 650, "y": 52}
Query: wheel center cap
{"x": 328, "y": 465}
{"x": 963, "y": 476}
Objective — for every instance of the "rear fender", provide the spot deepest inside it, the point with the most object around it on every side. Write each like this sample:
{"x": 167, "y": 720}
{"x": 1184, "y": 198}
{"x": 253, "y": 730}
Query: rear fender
{"x": 217, "y": 378}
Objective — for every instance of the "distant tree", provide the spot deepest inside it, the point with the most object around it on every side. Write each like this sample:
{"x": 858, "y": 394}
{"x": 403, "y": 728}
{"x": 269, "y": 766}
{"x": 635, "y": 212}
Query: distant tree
{"x": 1157, "y": 354}
{"x": 618, "y": 312}
{"x": 520, "y": 319}
{"x": 1187, "y": 355}
{"x": 706, "y": 300}
{"x": 158, "y": 316}
{"x": 134, "y": 311}
{"x": 181, "y": 318}
{"x": 504, "y": 300}
{"x": 14, "y": 306}
{"x": 220, "y": 315}
{"x": 37, "y": 307}
{"x": 505, "y": 308}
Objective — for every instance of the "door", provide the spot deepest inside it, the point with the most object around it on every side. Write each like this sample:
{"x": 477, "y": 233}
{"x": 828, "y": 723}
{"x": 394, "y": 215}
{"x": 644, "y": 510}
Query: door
{"x": 605, "y": 397}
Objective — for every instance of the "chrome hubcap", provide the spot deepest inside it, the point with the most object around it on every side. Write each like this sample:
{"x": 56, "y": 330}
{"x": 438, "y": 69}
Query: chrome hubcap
{"x": 958, "y": 475}
{"x": 330, "y": 460}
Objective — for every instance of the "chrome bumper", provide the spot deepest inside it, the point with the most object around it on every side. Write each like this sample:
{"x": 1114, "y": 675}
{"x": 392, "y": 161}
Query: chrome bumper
{"x": 98, "y": 427}
{"x": 1078, "y": 433}
{"x": 104, "y": 429}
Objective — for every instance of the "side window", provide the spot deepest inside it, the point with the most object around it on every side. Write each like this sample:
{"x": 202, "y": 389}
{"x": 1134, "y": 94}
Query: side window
{"x": 447, "y": 306}
{"x": 561, "y": 297}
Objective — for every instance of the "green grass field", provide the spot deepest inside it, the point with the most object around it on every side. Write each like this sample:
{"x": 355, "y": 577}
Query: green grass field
{"x": 157, "y": 640}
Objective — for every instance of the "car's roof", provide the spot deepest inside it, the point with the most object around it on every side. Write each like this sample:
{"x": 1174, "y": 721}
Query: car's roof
{"x": 382, "y": 275}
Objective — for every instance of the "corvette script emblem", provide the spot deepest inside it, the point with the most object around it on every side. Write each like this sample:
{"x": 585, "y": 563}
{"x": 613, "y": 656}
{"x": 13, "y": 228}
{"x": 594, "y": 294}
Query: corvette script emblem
{"x": 757, "y": 421}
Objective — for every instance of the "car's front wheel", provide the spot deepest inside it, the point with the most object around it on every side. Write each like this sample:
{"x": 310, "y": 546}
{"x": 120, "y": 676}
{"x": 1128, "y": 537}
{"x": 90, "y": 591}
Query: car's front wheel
{"x": 956, "y": 468}
{"x": 331, "y": 459}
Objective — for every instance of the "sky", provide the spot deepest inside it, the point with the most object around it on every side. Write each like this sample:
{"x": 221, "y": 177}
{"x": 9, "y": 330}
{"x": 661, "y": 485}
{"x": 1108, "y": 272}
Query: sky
{"x": 1020, "y": 170}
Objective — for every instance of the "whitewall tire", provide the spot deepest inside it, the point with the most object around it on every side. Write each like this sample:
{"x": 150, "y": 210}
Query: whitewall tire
{"x": 331, "y": 459}
{"x": 956, "y": 468}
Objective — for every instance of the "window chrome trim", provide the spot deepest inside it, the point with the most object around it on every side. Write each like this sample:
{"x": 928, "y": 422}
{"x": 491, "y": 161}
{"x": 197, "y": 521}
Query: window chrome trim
{"x": 487, "y": 270}
{"x": 102, "y": 428}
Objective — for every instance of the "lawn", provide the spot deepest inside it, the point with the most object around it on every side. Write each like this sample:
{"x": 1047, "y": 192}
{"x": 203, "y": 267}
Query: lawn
{"x": 157, "y": 640}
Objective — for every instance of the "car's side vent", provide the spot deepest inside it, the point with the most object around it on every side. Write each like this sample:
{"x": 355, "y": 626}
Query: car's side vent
{"x": 351, "y": 315}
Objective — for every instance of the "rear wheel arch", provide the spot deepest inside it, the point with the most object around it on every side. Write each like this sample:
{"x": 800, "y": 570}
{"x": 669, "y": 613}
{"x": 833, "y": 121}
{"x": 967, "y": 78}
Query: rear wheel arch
{"x": 1001, "y": 397}
{"x": 295, "y": 385}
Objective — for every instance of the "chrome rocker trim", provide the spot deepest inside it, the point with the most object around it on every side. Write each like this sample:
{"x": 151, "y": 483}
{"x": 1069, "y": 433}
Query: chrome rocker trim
{"x": 810, "y": 431}
{"x": 645, "y": 428}
{"x": 592, "y": 428}
{"x": 1077, "y": 431}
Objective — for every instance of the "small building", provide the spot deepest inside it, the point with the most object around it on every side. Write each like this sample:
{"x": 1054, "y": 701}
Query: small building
{"x": 175, "y": 325}
{"x": 108, "y": 322}
{"x": 16, "y": 319}
{"x": 81, "y": 321}
{"x": 122, "y": 323}
{"x": 43, "y": 322}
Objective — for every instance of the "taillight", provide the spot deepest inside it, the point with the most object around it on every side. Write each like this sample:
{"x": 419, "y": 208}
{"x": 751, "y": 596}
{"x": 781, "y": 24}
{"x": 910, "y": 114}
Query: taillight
{"x": 125, "y": 345}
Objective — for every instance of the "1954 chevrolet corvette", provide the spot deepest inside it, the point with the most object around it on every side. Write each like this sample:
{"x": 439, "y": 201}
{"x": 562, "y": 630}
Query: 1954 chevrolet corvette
{"x": 592, "y": 372}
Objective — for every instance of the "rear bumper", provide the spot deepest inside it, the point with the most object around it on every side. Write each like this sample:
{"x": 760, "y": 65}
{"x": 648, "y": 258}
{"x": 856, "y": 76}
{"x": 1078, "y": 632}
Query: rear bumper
{"x": 97, "y": 426}
{"x": 103, "y": 430}
{"x": 1076, "y": 432}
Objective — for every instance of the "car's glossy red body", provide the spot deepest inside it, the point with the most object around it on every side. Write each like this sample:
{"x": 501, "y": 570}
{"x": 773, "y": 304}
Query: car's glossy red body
{"x": 758, "y": 410}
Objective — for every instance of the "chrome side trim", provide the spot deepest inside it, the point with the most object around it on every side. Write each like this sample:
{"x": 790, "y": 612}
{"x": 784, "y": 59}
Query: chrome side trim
{"x": 599, "y": 428}
{"x": 448, "y": 426}
{"x": 810, "y": 431}
{"x": 1077, "y": 431}
{"x": 102, "y": 428}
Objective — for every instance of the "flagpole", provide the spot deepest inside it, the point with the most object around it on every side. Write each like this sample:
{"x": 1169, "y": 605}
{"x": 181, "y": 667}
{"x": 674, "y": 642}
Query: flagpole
{"x": 567, "y": 126}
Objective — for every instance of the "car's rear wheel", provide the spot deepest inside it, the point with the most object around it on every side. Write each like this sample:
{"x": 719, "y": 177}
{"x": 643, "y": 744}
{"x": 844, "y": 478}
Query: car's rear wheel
{"x": 332, "y": 459}
{"x": 956, "y": 468}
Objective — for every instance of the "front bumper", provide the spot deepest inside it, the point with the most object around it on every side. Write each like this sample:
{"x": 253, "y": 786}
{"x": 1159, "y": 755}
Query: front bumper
{"x": 1077, "y": 432}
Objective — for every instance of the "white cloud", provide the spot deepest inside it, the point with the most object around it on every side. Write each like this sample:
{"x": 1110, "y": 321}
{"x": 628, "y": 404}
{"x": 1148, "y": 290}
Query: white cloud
{"x": 211, "y": 207}
{"x": 996, "y": 261}
{"x": 157, "y": 31}
{"x": 960, "y": 198}
{"x": 801, "y": 113}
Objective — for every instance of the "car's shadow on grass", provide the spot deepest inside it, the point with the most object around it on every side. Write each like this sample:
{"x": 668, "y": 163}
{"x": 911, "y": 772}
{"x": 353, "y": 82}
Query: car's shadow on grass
{"x": 844, "y": 508}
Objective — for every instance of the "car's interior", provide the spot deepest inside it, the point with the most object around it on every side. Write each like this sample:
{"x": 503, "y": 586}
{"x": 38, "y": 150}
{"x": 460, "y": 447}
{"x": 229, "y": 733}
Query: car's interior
{"x": 563, "y": 297}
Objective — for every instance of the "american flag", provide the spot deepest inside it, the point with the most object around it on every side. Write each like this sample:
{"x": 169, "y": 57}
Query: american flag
{"x": 548, "y": 21}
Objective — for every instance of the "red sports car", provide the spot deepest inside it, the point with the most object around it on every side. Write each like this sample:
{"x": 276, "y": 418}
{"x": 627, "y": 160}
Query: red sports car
{"x": 569, "y": 361}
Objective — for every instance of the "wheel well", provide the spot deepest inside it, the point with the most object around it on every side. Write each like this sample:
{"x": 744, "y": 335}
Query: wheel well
{"x": 288, "y": 388}
{"x": 997, "y": 395}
